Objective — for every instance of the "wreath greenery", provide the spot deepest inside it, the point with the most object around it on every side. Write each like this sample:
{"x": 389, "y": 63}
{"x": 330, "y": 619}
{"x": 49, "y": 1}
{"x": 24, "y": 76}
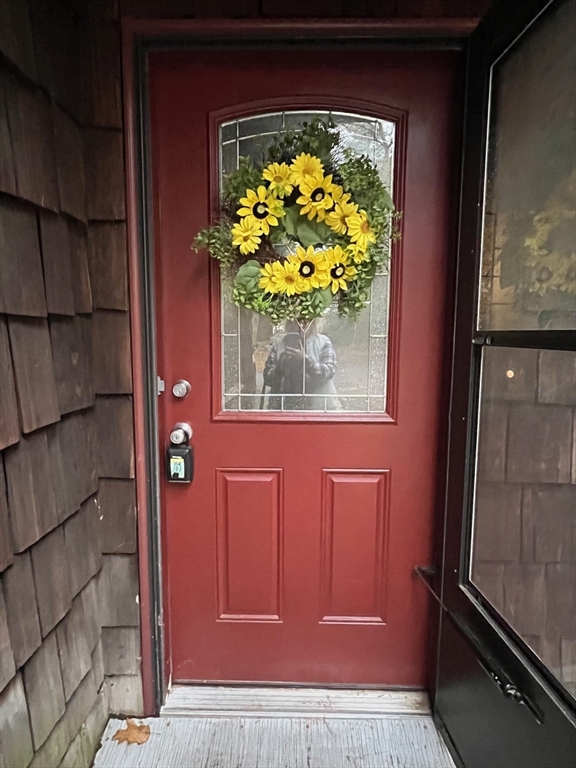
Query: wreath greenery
{"x": 309, "y": 225}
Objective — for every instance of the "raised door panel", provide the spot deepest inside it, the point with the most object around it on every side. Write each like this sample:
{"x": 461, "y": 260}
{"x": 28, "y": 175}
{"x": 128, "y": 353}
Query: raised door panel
{"x": 354, "y": 542}
{"x": 249, "y": 560}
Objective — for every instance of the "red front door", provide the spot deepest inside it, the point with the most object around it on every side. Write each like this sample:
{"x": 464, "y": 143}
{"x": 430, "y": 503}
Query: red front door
{"x": 290, "y": 557}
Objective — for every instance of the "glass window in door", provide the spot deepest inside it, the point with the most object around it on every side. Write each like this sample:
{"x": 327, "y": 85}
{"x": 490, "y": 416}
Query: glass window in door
{"x": 348, "y": 373}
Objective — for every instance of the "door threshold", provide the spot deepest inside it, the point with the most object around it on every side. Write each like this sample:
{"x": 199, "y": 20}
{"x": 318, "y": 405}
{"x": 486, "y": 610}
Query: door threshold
{"x": 252, "y": 701}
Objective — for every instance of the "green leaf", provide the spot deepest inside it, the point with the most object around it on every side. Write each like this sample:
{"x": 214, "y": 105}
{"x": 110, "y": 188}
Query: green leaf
{"x": 323, "y": 230}
{"x": 307, "y": 234}
{"x": 291, "y": 220}
{"x": 249, "y": 270}
{"x": 248, "y": 277}
{"x": 387, "y": 201}
{"x": 325, "y": 295}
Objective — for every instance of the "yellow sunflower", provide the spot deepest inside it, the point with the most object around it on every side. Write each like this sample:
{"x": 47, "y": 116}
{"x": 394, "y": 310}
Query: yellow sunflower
{"x": 339, "y": 269}
{"x": 316, "y": 196}
{"x": 278, "y": 174}
{"x": 312, "y": 267}
{"x": 568, "y": 274}
{"x": 359, "y": 229}
{"x": 268, "y": 280}
{"x": 287, "y": 279}
{"x": 246, "y": 235}
{"x": 305, "y": 167}
{"x": 343, "y": 208}
{"x": 358, "y": 254}
{"x": 261, "y": 206}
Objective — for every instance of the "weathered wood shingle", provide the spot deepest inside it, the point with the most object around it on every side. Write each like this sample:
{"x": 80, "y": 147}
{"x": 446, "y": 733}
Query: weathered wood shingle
{"x": 90, "y": 599}
{"x": 33, "y": 372}
{"x": 72, "y": 352}
{"x": 16, "y": 744}
{"x": 546, "y": 457}
{"x": 549, "y": 513}
{"x": 561, "y": 589}
{"x": 102, "y": 75}
{"x": 31, "y": 499}
{"x": 9, "y": 422}
{"x": 44, "y": 690}
{"x": 118, "y": 584}
{"x": 55, "y": 244}
{"x": 497, "y": 532}
{"x": 16, "y": 41}
{"x": 50, "y": 562}
{"x": 68, "y": 465}
{"x": 70, "y": 165}
{"x": 82, "y": 536}
{"x": 80, "y": 269}
{"x": 111, "y": 353}
{"x": 55, "y": 746}
{"x": 105, "y": 174}
{"x": 7, "y": 161}
{"x": 7, "y": 666}
{"x": 108, "y": 265}
{"x": 121, "y": 646}
{"x": 117, "y": 507}
{"x": 20, "y": 597}
{"x": 57, "y": 43}
{"x": 115, "y": 446}
{"x": 21, "y": 278}
{"x": 86, "y": 447}
{"x": 62, "y": 463}
{"x": 557, "y": 377}
{"x": 31, "y": 129}
{"x": 5, "y": 533}
{"x": 73, "y": 648}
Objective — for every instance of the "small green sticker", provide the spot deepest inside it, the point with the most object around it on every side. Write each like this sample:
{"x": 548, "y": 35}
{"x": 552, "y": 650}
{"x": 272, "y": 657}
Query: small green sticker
{"x": 177, "y": 468}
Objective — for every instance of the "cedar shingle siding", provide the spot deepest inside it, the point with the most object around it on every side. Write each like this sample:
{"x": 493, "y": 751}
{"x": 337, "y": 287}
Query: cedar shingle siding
{"x": 64, "y": 342}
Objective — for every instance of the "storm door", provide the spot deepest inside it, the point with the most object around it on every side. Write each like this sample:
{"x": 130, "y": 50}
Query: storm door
{"x": 510, "y": 575}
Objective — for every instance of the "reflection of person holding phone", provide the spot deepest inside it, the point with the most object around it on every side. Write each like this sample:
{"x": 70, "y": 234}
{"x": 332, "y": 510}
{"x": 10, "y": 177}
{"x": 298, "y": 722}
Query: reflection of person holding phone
{"x": 302, "y": 364}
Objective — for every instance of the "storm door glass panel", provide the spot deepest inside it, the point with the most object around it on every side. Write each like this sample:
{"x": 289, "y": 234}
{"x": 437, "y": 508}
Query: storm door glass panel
{"x": 523, "y": 549}
{"x": 524, "y": 545}
{"x": 351, "y": 356}
{"x": 528, "y": 276}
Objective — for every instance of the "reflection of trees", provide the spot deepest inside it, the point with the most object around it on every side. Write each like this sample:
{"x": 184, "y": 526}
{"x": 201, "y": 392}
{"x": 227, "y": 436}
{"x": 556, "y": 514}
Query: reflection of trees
{"x": 351, "y": 341}
{"x": 247, "y": 367}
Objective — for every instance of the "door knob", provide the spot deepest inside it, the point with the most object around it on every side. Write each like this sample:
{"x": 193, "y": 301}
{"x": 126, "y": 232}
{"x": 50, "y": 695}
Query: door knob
{"x": 180, "y": 434}
{"x": 181, "y": 388}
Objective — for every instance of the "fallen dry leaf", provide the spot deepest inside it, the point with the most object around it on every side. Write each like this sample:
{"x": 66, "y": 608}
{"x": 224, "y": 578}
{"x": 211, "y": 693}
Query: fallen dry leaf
{"x": 133, "y": 733}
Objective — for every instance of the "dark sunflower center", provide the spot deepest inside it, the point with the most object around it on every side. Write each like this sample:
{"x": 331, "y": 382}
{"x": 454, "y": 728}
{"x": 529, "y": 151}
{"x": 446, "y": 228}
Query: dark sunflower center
{"x": 260, "y": 210}
{"x": 307, "y": 269}
{"x": 318, "y": 194}
{"x": 544, "y": 275}
{"x": 337, "y": 271}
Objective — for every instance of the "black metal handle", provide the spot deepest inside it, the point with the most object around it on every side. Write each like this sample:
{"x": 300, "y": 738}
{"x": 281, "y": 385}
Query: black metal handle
{"x": 486, "y": 659}
{"x": 495, "y": 672}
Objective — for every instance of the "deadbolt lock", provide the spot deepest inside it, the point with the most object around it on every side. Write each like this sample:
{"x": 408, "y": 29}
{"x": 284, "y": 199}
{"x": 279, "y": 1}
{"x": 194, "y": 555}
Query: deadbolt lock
{"x": 181, "y": 389}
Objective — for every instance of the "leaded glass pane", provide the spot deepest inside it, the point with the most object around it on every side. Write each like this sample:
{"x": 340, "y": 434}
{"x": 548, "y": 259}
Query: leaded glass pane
{"x": 350, "y": 358}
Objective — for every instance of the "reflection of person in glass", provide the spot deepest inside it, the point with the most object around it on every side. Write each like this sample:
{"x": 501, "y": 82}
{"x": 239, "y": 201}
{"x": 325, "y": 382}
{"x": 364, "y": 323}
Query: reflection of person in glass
{"x": 302, "y": 364}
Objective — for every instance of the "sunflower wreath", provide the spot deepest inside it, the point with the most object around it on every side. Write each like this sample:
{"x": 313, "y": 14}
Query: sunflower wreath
{"x": 309, "y": 225}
